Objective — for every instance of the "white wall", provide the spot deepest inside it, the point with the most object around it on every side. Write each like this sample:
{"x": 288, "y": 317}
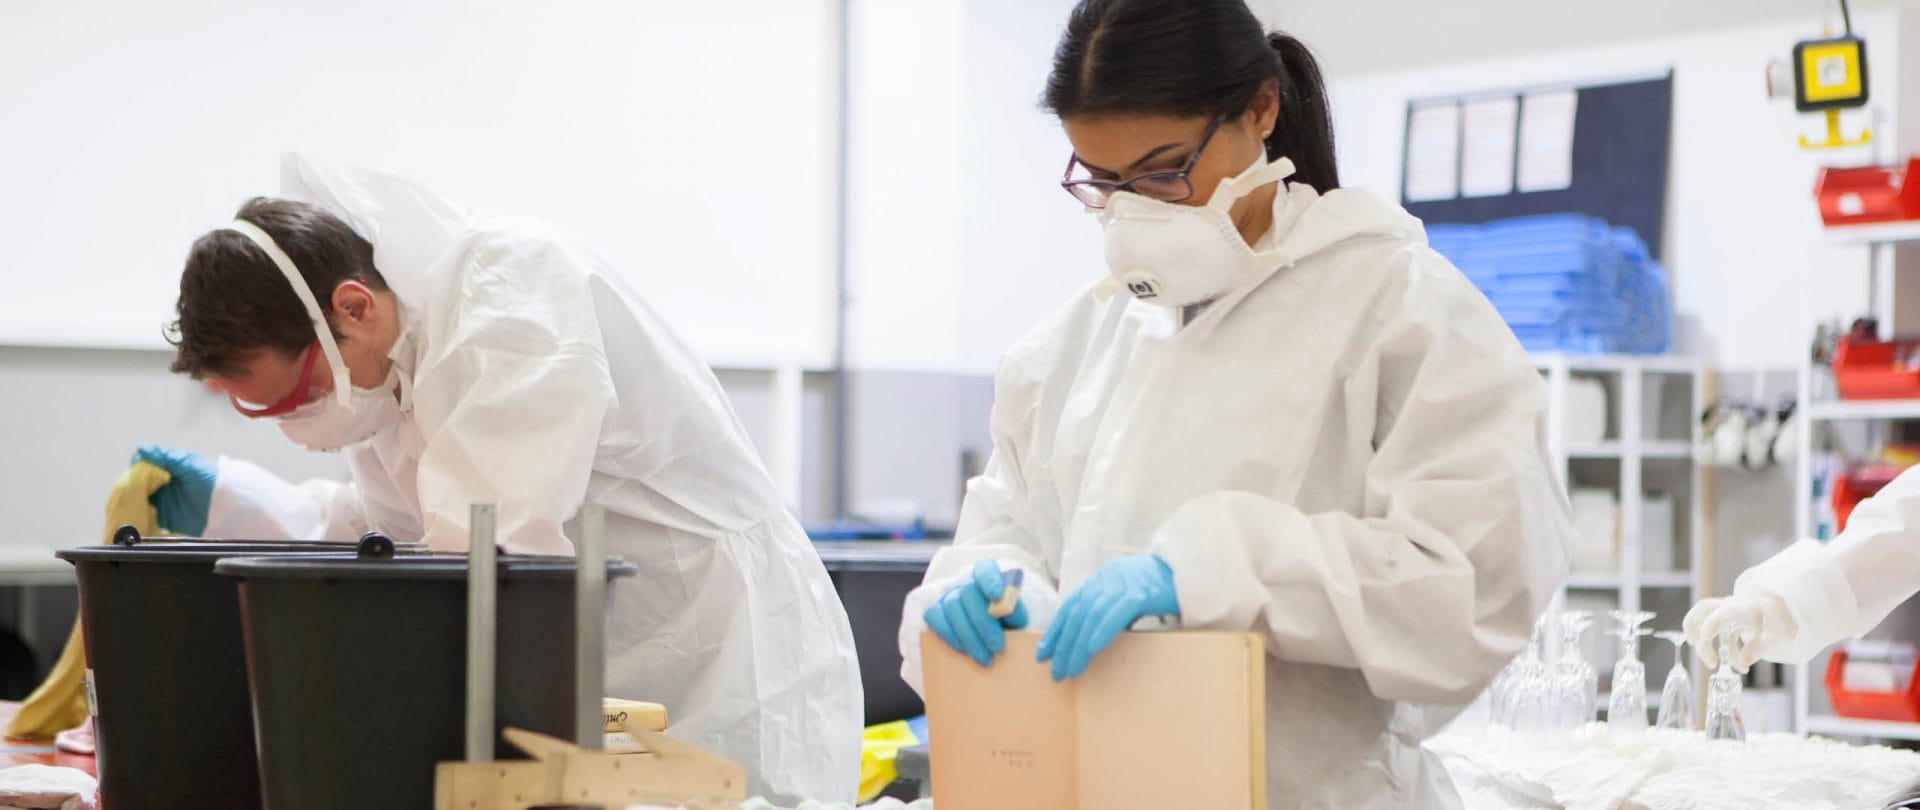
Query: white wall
{"x": 689, "y": 142}
{"x": 72, "y": 420}
{"x": 904, "y": 182}
{"x": 1750, "y": 271}
{"x": 961, "y": 237}
{"x": 1359, "y": 36}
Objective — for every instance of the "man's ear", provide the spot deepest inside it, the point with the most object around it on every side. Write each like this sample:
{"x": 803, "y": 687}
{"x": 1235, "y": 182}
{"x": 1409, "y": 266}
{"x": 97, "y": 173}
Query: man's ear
{"x": 353, "y": 301}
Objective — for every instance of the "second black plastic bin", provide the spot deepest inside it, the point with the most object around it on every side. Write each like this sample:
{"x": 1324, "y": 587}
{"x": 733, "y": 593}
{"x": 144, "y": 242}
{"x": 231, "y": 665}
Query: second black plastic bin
{"x": 358, "y": 669}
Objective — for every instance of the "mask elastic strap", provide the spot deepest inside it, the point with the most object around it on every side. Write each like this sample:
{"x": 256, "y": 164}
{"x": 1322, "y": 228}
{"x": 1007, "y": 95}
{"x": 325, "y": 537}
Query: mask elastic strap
{"x": 342, "y": 386}
{"x": 1240, "y": 185}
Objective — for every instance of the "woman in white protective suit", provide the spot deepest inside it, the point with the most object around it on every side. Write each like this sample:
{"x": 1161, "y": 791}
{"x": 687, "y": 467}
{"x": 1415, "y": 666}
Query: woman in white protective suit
{"x": 1281, "y": 413}
{"x": 1813, "y": 594}
{"x": 473, "y": 358}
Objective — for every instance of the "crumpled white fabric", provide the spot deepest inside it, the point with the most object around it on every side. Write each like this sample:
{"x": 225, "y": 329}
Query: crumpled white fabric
{"x": 1595, "y": 769}
{"x": 758, "y": 803}
{"x": 46, "y": 787}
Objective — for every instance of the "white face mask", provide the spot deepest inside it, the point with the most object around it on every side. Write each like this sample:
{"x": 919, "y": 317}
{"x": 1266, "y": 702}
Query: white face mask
{"x": 327, "y": 425}
{"x": 348, "y": 415}
{"x": 1177, "y": 255}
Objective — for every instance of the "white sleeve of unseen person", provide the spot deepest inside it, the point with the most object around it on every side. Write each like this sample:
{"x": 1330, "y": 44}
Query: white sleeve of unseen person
{"x": 1814, "y": 594}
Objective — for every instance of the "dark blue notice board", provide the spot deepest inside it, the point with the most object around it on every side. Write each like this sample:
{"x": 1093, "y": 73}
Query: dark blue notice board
{"x": 1621, "y": 138}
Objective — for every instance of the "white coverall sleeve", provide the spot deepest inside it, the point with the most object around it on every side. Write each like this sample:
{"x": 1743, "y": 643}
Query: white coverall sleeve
{"x": 512, "y": 409}
{"x": 253, "y": 504}
{"x": 997, "y": 523}
{"x": 1434, "y": 584}
{"x": 1842, "y": 588}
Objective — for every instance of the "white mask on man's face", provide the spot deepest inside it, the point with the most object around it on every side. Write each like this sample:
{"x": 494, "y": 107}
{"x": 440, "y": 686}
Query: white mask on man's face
{"x": 327, "y": 425}
{"x": 347, "y": 415}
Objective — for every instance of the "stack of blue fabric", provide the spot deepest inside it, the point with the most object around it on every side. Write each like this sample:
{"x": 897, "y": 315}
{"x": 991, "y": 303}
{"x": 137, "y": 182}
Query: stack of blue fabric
{"x": 1565, "y": 282}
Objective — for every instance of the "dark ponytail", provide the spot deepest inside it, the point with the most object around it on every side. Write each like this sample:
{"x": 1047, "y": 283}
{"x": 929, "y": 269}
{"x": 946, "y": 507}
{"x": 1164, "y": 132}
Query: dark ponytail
{"x": 1193, "y": 58}
{"x": 1303, "y": 130}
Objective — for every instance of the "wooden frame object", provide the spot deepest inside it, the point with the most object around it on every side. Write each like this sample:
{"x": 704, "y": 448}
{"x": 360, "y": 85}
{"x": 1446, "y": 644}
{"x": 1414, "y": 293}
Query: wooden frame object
{"x": 671, "y": 773}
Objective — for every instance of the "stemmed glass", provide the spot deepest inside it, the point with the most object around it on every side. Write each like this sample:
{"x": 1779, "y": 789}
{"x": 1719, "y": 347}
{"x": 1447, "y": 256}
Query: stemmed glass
{"x": 1627, "y": 708}
{"x": 1676, "y": 698}
{"x": 1723, "y": 699}
{"x": 1500, "y": 694}
{"x": 1524, "y": 706}
{"x": 1575, "y": 686}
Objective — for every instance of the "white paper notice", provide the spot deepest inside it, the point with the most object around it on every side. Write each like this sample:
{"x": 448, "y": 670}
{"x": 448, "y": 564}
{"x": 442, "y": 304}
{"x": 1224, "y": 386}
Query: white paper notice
{"x": 1486, "y": 154}
{"x": 1546, "y": 140}
{"x": 1433, "y": 152}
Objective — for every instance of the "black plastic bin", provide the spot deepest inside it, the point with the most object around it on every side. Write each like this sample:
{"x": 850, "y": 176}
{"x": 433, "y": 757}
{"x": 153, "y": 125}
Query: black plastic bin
{"x": 873, "y": 578}
{"x": 173, "y": 723}
{"x": 359, "y": 669}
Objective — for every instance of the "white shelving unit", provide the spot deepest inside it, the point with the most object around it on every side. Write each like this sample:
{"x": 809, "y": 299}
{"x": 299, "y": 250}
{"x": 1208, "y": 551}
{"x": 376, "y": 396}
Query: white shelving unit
{"x": 1875, "y": 234}
{"x": 1862, "y": 729}
{"x": 1821, "y": 406}
{"x": 1651, "y": 404}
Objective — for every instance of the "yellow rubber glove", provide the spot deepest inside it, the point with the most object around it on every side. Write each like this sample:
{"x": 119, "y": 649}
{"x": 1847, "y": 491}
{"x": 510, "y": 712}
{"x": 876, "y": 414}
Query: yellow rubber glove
{"x": 878, "y": 748}
{"x": 60, "y": 702}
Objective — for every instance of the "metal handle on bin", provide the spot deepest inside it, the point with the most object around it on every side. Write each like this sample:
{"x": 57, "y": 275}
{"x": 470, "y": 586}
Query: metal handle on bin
{"x": 589, "y": 637}
{"x": 375, "y": 546}
{"x": 482, "y": 595}
{"x": 126, "y": 535}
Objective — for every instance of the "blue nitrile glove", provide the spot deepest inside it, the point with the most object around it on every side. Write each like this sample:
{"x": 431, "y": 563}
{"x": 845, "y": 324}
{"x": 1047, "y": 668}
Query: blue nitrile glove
{"x": 184, "y": 501}
{"x": 1110, "y": 601}
{"x": 960, "y": 616}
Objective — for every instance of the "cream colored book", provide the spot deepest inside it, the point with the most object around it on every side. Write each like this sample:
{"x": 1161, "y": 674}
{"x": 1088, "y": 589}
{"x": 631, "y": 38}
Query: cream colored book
{"x": 1174, "y": 719}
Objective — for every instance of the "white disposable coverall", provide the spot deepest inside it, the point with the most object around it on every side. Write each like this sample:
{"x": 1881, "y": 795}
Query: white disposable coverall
{"x": 1346, "y": 454}
{"x": 1840, "y": 589}
{"x": 540, "y": 382}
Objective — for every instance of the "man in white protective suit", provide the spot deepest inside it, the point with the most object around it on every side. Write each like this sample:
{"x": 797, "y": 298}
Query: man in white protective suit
{"x": 458, "y": 357}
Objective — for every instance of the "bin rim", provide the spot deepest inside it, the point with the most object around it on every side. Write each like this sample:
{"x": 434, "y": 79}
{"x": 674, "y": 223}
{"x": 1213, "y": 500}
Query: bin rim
{"x": 433, "y": 566}
{"x": 208, "y": 550}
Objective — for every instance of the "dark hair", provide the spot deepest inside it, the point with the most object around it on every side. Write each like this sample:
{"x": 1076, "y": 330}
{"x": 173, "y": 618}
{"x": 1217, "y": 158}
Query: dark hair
{"x": 1193, "y": 58}
{"x": 233, "y": 300}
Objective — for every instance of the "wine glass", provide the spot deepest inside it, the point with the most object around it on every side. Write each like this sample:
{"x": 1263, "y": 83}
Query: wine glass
{"x": 1723, "y": 699}
{"x": 1500, "y": 694}
{"x": 1676, "y": 698}
{"x": 1627, "y": 707}
{"x": 1574, "y": 683}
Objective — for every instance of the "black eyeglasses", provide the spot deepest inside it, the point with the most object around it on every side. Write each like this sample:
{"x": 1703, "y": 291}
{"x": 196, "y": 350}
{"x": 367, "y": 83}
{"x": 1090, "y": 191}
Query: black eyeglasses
{"x": 1172, "y": 185}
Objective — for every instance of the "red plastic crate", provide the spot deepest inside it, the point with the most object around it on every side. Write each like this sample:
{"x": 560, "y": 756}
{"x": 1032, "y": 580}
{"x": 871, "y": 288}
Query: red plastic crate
{"x": 1870, "y": 369}
{"x": 1857, "y": 485}
{"x": 1869, "y": 194}
{"x": 1895, "y": 706}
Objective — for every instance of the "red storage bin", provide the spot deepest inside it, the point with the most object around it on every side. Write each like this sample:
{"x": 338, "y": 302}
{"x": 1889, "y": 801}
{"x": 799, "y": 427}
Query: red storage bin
{"x": 1869, "y": 194}
{"x": 1859, "y": 484}
{"x": 1895, "y": 706}
{"x": 1870, "y": 369}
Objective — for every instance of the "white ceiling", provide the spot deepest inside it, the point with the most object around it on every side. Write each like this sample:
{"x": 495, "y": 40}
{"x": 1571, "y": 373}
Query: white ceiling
{"x": 1364, "y": 36}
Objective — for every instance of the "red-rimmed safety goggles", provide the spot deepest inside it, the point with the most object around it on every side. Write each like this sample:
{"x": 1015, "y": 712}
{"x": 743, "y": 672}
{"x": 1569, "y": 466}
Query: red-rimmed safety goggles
{"x": 292, "y": 401}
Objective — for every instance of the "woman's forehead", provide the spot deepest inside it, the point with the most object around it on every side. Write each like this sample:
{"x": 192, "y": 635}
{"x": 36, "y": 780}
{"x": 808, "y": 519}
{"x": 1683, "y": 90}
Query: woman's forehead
{"x": 1124, "y": 138}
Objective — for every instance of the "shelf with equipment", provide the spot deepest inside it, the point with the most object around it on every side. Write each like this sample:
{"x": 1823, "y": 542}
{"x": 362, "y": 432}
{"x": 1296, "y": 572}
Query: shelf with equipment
{"x": 1830, "y": 726}
{"x": 1873, "y": 234}
{"x": 1837, "y": 429}
{"x": 1619, "y": 431}
{"x": 1649, "y": 580}
{"x": 1864, "y": 410}
{"x": 1671, "y": 450}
